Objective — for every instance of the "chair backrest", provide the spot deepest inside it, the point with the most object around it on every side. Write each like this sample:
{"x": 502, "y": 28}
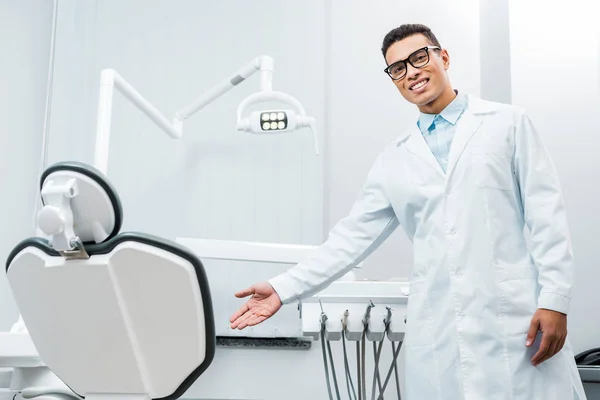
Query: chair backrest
{"x": 134, "y": 316}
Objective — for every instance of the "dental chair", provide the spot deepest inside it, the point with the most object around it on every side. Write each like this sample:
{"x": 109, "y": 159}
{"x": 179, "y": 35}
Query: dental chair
{"x": 113, "y": 315}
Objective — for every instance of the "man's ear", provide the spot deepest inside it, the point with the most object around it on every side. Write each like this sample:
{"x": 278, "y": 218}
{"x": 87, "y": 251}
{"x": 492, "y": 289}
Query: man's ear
{"x": 445, "y": 58}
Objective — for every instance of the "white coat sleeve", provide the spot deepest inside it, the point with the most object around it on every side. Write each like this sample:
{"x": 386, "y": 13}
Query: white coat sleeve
{"x": 370, "y": 221}
{"x": 545, "y": 216}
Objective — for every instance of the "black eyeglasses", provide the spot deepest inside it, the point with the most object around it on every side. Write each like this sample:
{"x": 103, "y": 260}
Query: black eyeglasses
{"x": 417, "y": 59}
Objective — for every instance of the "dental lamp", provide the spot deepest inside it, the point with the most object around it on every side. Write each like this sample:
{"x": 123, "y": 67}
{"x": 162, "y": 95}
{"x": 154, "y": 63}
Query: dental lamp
{"x": 261, "y": 122}
{"x": 61, "y": 199}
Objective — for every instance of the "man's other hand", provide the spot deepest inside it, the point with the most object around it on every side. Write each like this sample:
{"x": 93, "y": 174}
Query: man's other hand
{"x": 263, "y": 304}
{"x": 553, "y": 326}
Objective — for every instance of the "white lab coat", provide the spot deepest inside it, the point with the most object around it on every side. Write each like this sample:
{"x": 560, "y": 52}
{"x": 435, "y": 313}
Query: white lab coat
{"x": 475, "y": 284}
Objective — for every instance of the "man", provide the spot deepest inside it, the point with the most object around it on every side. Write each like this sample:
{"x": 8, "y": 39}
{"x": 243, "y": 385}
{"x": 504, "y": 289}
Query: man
{"x": 486, "y": 315}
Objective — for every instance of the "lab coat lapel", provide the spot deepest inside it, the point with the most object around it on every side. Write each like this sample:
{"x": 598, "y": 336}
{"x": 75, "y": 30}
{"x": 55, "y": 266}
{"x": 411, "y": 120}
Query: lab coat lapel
{"x": 417, "y": 145}
{"x": 466, "y": 127}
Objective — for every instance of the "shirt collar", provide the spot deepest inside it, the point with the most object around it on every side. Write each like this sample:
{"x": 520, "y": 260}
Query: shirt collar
{"x": 451, "y": 113}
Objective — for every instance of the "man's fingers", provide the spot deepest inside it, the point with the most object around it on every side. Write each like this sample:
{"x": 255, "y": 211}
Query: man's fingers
{"x": 239, "y": 321}
{"x": 247, "y": 320}
{"x": 551, "y": 352}
{"x": 543, "y": 350}
{"x": 239, "y": 312}
{"x": 533, "y": 330}
{"x": 253, "y": 317}
{"x": 245, "y": 293}
{"x": 561, "y": 344}
{"x": 242, "y": 319}
{"x": 556, "y": 347}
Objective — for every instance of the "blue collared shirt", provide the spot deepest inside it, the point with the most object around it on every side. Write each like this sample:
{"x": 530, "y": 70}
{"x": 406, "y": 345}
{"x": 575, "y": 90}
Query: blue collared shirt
{"x": 438, "y": 129}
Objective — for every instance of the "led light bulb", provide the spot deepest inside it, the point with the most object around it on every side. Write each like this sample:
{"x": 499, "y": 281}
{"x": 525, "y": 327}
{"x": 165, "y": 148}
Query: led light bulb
{"x": 266, "y": 126}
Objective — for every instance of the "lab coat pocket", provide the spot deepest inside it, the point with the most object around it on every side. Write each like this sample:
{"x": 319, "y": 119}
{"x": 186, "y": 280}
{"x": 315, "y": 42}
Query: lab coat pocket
{"x": 519, "y": 293}
{"x": 492, "y": 170}
{"x": 418, "y": 319}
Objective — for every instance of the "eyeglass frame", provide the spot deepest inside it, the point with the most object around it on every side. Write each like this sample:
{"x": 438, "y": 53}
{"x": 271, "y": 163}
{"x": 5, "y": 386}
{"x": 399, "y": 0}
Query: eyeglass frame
{"x": 407, "y": 60}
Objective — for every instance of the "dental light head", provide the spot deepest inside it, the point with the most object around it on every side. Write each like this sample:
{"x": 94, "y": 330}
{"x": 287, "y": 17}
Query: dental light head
{"x": 275, "y": 120}
{"x": 289, "y": 118}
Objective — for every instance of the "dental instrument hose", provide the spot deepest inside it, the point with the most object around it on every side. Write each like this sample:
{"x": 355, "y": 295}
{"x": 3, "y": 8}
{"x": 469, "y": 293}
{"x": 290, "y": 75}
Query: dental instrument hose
{"x": 325, "y": 363}
{"x": 396, "y": 369}
{"x": 376, "y": 375}
{"x": 323, "y": 320}
{"x": 378, "y": 360}
{"x": 358, "y": 376}
{"x": 349, "y": 383}
{"x": 363, "y": 362}
{"x": 393, "y": 367}
{"x": 335, "y": 383}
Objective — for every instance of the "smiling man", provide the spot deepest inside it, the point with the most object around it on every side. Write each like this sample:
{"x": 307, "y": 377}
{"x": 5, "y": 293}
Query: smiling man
{"x": 487, "y": 315}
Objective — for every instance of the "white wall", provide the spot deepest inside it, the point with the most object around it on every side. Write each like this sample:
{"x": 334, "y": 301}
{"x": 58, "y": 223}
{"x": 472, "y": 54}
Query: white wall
{"x": 25, "y": 42}
{"x": 555, "y": 54}
{"x": 366, "y": 111}
{"x": 495, "y": 50}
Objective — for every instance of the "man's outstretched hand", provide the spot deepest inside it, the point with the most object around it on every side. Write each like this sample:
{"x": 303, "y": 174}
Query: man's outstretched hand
{"x": 263, "y": 304}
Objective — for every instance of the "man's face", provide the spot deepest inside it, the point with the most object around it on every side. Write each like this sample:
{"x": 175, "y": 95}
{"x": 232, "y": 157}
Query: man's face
{"x": 420, "y": 86}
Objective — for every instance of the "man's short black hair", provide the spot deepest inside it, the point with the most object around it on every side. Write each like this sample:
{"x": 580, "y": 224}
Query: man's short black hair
{"x": 406, "y": 30}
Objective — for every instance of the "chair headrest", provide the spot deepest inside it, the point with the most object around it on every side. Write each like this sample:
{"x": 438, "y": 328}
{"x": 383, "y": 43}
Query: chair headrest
{"x": 77, "y": 196}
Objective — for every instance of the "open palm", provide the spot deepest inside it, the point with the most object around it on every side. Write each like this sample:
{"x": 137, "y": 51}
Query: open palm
{"x": 263, "y": 304}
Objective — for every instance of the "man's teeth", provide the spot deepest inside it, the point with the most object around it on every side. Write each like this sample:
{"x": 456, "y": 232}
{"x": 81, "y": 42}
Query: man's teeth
{"x": 419, "y": 85}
